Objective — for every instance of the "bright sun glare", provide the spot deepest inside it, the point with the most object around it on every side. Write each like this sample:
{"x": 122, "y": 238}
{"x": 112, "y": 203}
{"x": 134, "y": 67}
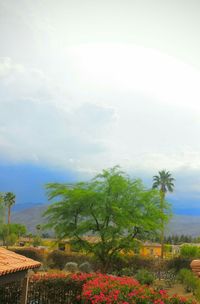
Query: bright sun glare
{"x": 139, "y": 69}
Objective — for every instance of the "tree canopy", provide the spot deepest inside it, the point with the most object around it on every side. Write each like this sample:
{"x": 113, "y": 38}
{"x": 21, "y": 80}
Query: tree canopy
{"x": 164, "y": 181}
{"x": 10, "y": 233}
{"x": 112, "y": 207}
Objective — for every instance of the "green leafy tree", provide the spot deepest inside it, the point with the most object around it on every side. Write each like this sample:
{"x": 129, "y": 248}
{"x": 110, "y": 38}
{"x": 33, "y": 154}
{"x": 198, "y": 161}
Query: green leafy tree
{"x": 165, "y": 183}
{"x": 111, "y": 207}
{"x": 12, "y": 232}
{"x": 9, "y": 200}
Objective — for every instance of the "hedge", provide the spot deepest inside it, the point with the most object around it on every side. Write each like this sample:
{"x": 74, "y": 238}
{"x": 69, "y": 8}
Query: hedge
{"x": 90, "y": 289}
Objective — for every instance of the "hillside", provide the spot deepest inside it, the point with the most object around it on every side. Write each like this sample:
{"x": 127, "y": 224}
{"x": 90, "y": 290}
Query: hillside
{"x": 184, "y": 224}
{"x": 179, "y": 224}
{"x": 30, "y": 217}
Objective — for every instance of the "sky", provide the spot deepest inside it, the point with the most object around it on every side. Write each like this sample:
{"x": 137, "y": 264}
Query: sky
{"x": 86, "y": 85}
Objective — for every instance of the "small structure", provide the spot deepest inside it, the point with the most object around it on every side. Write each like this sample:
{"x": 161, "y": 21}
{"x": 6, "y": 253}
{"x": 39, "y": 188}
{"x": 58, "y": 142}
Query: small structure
{"x": 15, "y": 267}
{"x": 150, "y": 249}
{"x": 195, "y": 265}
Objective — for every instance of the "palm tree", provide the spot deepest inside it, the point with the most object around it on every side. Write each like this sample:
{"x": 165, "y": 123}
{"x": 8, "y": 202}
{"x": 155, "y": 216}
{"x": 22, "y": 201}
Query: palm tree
{"x": 164, "y": 182}
{"x": 2, "y": 209}
{"x": 9, "y": 200}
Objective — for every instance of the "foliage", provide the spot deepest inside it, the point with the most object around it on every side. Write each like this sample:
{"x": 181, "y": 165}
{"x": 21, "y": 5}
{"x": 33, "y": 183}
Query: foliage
{"x": 10, "y": 233}
{"x": 37, "y": 241}
{"x": 145, "y": 277}
{"x": 164, "y": 181}
{"x": 11, "y": 239}
{"x": 126, "y": 265}
{"x": 92, "y": 288}
{"x": 126, "y": 271}
{"x": 179, "y": 239}
{"x": 71, "y": 267}
{"x": 57, "y": 259}
{"x": 10, "y": 293}
{"x": 53, "y": 288}
{"x": 189, "y": 251}
{"x": 33, "y": 253}
{"x": 189, "y": 280}
{"x": 9, "y": 201}
{"x": 111, "y": 207}
{"x": 85, "y": 267}
{"x": 178, "y": 263}
{"x": 109, "y": 289}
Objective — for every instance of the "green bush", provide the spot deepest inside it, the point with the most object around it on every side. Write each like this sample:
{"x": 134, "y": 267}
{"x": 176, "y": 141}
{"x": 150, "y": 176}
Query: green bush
{"x": 71, "y": 267}
{"x": 11, "y": 239}
{"x": 178, "y": 263}
{"x": 188, "y": 279}
{"x": 53, "y": 288}
{"x": 145, "y": 277}
{"x": 32, "y": 253}
{"x": 37, "y": 241}
{"x": 189, "y": 251}
{"x": 57, "y": 259}
{"x": 85, "y": 267}
{"x": 197, "y": 291}
{"x": 127, "y": 271}
{"x": 135, "y": 263}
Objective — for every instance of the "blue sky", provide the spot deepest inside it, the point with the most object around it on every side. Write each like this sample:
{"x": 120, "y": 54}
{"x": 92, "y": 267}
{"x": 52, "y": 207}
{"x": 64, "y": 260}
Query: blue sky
{"x": 86, "y": 85}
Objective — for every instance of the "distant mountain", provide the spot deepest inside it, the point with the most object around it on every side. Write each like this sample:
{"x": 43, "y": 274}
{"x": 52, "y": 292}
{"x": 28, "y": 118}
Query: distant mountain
{"x": 184, "y": 224}
{"x": 30, "y": 217}
{"x": 179, "y": 224}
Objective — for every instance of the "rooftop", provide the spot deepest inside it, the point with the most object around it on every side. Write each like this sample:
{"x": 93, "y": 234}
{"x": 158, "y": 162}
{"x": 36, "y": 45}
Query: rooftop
{"x": 11, "y": 262}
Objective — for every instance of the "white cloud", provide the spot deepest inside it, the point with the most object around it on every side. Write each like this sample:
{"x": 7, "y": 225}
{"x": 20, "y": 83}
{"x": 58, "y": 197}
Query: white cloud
{"x": 120, "y": 105}
{"x": 8, "y": 68}
{"x": 38, "y": 124}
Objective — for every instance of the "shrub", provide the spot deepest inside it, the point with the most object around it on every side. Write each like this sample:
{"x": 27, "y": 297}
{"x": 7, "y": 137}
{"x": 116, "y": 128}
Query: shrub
{"x": 71, "y": 267}
{"x": 126, "y": 271}
{"x": 189, "y": 251}
{"x": 145, "y": 277}
{"x": 109, "y": 289}
{"x": 197, "y": 291}
{"x": 11, "y": 239}
{"x": 57, "y": 259}
{"x": 178, "y": 263}
{"x": 37, "y": 241}
{"x": 32, "y": 253}
{"x": 54, "y": 288}
{"x": 93, "y": 289}
{"x": 188, "y": 279}
{"x": 135, "y": 263}
{"x": 85, "y": 267}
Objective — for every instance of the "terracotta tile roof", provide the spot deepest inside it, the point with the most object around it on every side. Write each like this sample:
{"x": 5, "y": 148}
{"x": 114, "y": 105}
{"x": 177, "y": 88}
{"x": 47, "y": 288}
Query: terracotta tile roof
{"x": 12, "y": 262}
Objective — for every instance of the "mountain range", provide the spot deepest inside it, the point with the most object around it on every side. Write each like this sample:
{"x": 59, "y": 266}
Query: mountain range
{"x": 179, "y": 224}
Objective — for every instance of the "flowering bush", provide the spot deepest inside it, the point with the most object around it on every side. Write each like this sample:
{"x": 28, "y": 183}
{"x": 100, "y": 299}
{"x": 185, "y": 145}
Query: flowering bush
{"x": 97, "y": 288}
{"x": 104, "y": 289}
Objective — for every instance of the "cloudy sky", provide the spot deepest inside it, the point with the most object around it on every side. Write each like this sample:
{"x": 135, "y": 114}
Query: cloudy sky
{"x": 88, "y": 84}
